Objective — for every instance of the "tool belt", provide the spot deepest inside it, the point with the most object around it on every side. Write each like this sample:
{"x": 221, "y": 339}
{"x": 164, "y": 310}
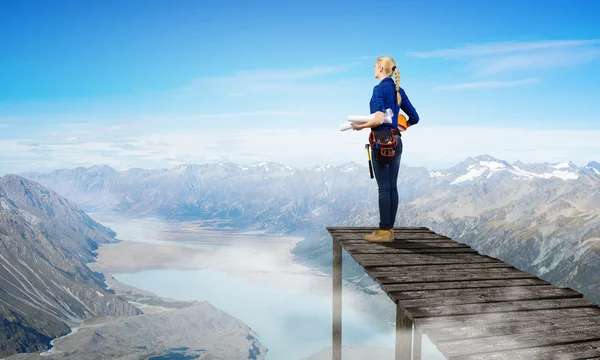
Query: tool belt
{"x": 384, "y": 143}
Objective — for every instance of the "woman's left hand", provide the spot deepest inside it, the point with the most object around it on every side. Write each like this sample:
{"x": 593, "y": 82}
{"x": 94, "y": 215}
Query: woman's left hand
{"x": 357, "y": 126}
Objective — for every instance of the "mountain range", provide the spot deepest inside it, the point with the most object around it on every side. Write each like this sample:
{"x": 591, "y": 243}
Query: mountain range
{"x": 45, "y": 286}
{"x": 47, "y": 291}
{"x": 542, "y": 218}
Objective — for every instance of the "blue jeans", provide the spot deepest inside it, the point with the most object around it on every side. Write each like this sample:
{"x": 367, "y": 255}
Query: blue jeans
{"x": 387, "y": 179}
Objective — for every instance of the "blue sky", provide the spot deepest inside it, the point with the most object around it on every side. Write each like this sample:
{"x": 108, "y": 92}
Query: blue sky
{"x": 155, "y": 84}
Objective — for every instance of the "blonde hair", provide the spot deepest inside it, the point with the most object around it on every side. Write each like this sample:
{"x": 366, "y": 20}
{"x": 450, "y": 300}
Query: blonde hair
{"x": 388, "y": 63}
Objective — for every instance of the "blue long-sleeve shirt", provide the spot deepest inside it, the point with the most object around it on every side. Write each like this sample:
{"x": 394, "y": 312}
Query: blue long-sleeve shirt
{"x": 384, "y": 97}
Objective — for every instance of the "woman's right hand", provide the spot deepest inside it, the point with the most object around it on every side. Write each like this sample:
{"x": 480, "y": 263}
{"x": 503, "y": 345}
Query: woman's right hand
{"x": 356, "y": 126}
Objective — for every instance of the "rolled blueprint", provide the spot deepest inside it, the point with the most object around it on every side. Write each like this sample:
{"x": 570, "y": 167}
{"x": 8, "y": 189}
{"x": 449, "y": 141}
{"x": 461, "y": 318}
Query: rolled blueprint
{"x": 387, "y": 118}
{"x": 361, "y": 118}
{"x": 345, "y": 126}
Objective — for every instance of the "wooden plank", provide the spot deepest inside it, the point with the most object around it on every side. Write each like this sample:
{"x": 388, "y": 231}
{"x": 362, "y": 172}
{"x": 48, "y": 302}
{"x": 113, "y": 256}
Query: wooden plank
{"x": 337, "y": 302}
{"x": 334, "y": 228}
{"x": 461, "y": 284}
{"x": 519, "y": 305}
{"x": 509, "y": 327}
{"x": 478, "y": 320}
{"x": 578, "y": 350}
{"x": 399, "y": 244}
{"x": 485, "y": 292}
{"x": 418, "y": 259}
{"x": 399, "y": 268}
{"x": 404, "y": 329}
{"x": 397, "y": 236}
{"x": 416, "y": 244}
{"x": 452, "y": 275}
{"x": 465, "y": 300}
{"x": 372, "y": 228}
{"x": 417, "y": 344}
{"x": 421, "y": 244}
{"x": 503, "y": 343}
{"x": 488, "y": 295}
{"x": 362, "y": 249}
{"x": 443, "y": 269}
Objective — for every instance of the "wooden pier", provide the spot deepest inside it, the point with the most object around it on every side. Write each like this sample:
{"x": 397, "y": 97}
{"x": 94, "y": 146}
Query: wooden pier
{"x": 471, "y": 306}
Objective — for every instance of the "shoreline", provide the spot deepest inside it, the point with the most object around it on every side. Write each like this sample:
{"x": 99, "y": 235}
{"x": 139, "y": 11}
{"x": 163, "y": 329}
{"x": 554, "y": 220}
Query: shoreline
{"x": 253, "y": 256}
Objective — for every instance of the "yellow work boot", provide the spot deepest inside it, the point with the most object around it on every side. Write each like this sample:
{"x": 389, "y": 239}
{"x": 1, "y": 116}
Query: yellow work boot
{"x": 380, "y": 236}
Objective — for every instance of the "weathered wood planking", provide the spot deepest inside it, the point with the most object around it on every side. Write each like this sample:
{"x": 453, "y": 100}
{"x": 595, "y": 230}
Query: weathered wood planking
{"x": 360, "y": 249}
{"x": 473, "y": 306}
{"x": 546, "y": 337}
{"x": 490, "y": 295}
{"x": 509, "y": 327}
{"x": 397, "y": 237}
{"x": 421, "y": 275}
{"x": 483, "y": 320}
{"x": 466, "y": 284}
{"x": 335, "y": 229}
{"x": 579, "y": 350}
{"x": 401, "y": 268}
{"x": 520, "y": 305}
{"x": 418, "y": 259}
{"x": 424, "y": 244}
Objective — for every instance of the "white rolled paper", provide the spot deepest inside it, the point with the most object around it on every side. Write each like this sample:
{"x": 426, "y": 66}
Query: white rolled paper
{"x": 360, "y": 118}
{"x": 345, "y": 126}
{"x": 387, "y": 118}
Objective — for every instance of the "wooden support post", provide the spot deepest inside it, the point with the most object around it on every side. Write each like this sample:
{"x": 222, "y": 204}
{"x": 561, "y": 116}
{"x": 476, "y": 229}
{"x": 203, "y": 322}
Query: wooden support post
{"x": 337, "y": 301}
{"x": 403, "y": 334}
{"x": 417, "y": 344}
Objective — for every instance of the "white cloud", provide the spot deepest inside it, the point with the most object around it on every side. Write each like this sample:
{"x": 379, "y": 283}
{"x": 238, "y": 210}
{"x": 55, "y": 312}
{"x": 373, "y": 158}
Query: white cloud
{"x": 434, "y": 147}
{"x": 486, "y": 59}
{"x": 249, "y": 81}
{"x": 236, "y": 115}
{"x": 302, "y": 132}
{"x": 535, "y": 60}
{"x": 289, "y": 88}
{"x": 501, "y": 48}
{"x": 487, "y": 84}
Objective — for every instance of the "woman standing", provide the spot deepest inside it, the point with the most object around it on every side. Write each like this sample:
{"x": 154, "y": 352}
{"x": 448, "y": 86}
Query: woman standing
{"x": 387, "y": 94}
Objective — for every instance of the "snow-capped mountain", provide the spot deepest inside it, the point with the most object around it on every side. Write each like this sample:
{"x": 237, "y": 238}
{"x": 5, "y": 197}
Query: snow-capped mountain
{"x": 543, "y": 218}
{"x": 488, "y": 167}
{"x": 592, "y": 167}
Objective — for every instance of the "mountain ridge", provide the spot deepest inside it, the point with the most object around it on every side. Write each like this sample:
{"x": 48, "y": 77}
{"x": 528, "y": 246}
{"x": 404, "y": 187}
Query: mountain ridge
{"x": 539, "y": 217}
{"x": 45, "y": 286}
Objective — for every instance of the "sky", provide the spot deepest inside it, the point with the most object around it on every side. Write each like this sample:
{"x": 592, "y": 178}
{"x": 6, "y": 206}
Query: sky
{"x": 156, "y": 84}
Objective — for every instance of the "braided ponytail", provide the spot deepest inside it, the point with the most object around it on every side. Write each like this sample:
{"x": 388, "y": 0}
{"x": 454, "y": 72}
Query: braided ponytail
{"x": 397, "y": 73}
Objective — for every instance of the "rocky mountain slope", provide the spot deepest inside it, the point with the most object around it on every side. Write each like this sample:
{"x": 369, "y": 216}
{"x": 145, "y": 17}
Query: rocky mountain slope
{"x": 47, "y": 291}
{"x": 168, "y": 329}
{"x": 543, "y": 218}
{"x": 45, "y": 286}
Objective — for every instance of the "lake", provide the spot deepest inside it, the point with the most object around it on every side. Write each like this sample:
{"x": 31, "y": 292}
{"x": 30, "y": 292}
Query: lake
{"x": 251, "y": 278}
